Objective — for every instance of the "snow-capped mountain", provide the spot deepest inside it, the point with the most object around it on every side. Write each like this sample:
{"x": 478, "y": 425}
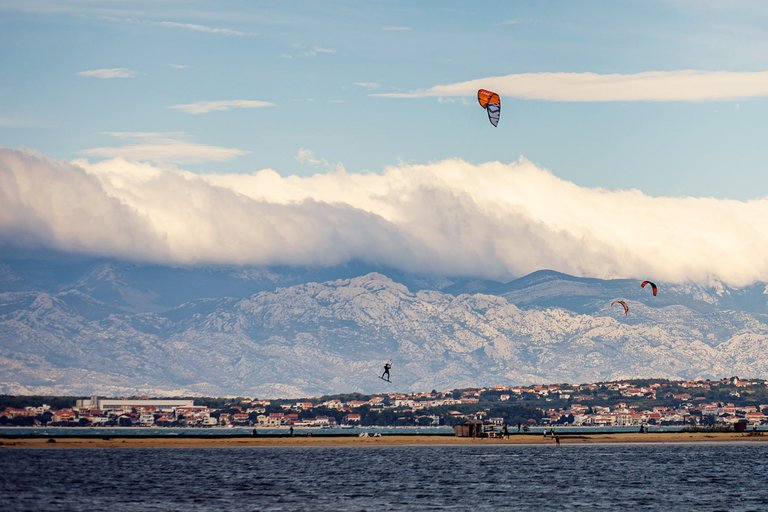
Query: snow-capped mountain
{"x": 107, "y": 327}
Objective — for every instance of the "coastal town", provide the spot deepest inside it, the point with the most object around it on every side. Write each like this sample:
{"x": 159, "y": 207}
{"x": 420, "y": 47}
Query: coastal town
{"x": 696, "y": 403}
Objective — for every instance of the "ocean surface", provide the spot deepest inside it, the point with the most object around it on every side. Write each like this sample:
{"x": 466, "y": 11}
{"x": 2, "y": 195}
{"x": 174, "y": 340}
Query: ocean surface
{"x": 668, "y": 477}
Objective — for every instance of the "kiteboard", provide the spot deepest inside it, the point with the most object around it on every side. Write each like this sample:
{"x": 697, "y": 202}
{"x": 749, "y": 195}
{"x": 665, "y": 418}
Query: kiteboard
{"x": 385, "y": 380}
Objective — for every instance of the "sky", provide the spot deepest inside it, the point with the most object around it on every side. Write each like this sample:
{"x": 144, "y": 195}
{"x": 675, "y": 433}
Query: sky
{"x": 290, "y": 114}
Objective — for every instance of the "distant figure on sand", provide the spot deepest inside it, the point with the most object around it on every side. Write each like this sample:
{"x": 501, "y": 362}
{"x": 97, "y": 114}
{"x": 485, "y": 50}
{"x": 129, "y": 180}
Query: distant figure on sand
{"x": 291, "y": 430}
{"x": 387, "y": 366}
{"x": 557, "y": 440}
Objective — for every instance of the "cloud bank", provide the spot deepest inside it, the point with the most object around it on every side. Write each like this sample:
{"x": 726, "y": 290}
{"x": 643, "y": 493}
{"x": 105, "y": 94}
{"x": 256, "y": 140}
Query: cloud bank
{"x": 685, "y": 85}
{"x": 495, "y": 220}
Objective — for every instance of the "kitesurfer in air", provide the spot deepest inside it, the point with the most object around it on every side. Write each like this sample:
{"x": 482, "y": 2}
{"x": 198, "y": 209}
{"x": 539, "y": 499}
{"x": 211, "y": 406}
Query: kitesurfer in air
{"x": 387, "y": 366}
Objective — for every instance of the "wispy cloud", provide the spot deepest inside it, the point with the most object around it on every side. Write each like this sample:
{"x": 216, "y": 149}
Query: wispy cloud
{"x": 368, "y": 85}
{"x": 140, "y": 18}
{"x": 685, "y": 85}
{"x": 306, "y": 156}
{"x": 317, "y": 50}
{"x": 307, "y": 52}
{"x": 179, "y": 66}
{"x": 109, "y": 73}
{"x": 496, "y": 220}
{"x": 204, "y": 107}
{"x": 200, "y": 28}
{"x": 145, "y": 135}
{"x": 396, "y": 29}
{"x": 163, "y": 147}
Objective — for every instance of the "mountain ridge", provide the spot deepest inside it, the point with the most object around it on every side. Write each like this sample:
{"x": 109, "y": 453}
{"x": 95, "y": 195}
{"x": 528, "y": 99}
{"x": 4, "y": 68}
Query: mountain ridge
{"x": 98, "y": 330}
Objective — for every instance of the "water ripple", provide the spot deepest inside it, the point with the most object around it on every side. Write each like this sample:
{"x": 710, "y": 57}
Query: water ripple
{"x": 594, "y": 477}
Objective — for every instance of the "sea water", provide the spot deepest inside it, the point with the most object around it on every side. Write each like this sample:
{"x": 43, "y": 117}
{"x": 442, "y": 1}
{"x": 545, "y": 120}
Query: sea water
{"x": 669, "y": 477}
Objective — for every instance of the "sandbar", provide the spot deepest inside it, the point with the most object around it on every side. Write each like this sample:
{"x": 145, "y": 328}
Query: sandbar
{"x": 386, "y": 440}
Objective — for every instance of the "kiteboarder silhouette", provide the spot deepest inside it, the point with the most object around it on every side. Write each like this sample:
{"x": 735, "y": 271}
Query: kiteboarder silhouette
{"x": 385, "y": 375}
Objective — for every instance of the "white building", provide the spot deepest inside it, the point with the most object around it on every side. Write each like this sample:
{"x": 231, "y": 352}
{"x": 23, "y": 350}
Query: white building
{"x": 111, "y": 404}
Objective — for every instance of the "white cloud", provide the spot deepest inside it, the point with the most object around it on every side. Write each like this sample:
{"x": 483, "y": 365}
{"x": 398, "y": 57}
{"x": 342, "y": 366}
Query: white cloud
{"x": 685, "y": 85}
{"x": 179, "y": 66}
{"x": 396, "y": 29}
{"x": 316, "y": 50}
{"x": 306, "y": 156}
{"x": 493, "y": 220}
{"x": 108, "y": 73}
{"x": 368, "y": 85}
{"x": 305, "y": 52}
{"x": 204, "y": 107}
{"x": 200, "y": 28}
{"x": 163, "y": 147}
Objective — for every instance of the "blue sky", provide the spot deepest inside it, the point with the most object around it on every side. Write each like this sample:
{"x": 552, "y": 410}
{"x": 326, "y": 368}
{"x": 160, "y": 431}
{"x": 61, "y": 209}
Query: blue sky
{"x": 321, "y": 65}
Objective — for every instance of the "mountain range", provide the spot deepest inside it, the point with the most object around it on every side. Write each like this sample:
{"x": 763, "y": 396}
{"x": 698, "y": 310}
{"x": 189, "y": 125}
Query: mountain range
{"x": 81, "y": 326}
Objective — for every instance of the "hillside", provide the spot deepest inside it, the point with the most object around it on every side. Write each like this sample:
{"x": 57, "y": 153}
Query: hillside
{"x": 113, "y": 328}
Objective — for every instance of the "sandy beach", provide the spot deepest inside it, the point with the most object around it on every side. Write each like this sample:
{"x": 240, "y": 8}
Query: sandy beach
{"x": 392, "y": 440}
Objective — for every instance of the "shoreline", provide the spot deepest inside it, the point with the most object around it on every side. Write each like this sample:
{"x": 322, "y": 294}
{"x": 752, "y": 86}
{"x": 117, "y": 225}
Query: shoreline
{"x": 65, "y": 442}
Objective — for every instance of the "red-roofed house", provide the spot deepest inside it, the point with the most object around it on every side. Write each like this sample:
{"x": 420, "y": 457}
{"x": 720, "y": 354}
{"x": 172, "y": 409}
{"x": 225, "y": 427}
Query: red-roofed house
{"x": 240, "y": 418}
{"x": 15, "y": 412}
{"x": 64, "y": 415}
{"x": 352, "y": 417}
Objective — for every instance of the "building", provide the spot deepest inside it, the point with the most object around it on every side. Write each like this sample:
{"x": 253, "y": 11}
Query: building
{"x": 114, "y": 404}
{"x": 470, "y": 428}
{"x": 352, "y": 417}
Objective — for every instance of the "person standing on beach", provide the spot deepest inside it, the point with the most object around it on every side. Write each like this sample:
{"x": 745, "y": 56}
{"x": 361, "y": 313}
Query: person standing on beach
{"x": 291, "y": 431}
{"x": 557, "y": 440}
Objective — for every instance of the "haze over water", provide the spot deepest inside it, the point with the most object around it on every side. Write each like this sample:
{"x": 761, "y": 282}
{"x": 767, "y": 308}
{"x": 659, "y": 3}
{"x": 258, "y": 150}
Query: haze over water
{"x": 668, "y": 477}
